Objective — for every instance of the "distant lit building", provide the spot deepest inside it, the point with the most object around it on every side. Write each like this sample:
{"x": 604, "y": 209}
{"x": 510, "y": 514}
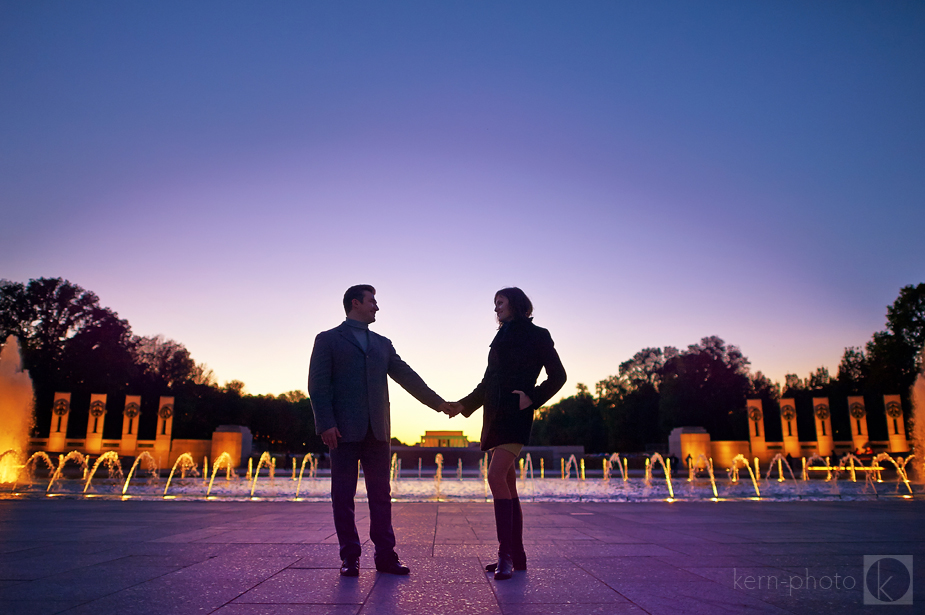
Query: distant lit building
{"x": 444, "y": 439}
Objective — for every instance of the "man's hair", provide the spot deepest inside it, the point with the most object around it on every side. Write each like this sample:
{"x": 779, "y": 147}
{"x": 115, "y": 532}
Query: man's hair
{"x": 520, "y": 304}
{"x": 356, "y": 292}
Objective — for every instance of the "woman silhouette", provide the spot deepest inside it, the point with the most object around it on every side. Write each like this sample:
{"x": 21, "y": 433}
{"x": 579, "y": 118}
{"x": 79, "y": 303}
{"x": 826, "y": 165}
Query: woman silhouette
{"x": 509, "y": 395}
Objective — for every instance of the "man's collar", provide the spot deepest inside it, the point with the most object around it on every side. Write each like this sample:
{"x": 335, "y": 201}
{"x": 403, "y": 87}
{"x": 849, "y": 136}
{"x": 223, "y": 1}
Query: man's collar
{"x": 356, "y": 324}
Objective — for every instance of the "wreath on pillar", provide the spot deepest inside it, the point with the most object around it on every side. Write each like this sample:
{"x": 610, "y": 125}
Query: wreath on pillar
{"x": 894, "y": 410}
{"x": 822, "y": 412}
{"x": 754, "y": 414}
{"x": 131, "y": 410}
{"x": 788, "y": 412}
{"x": 61, "y": 407}
{"x": 857, "y": 410}
{"x": 165, "y": 412}
{"x": 97, "y": 409}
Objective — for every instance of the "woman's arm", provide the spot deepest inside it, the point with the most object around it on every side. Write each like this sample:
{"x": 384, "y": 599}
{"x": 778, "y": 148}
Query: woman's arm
{"x": 474, "y": 400}
{"x": 555, "y": 374}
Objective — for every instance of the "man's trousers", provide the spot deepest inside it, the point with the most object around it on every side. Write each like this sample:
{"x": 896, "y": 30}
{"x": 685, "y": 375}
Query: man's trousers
{"x": 375, "y": 457}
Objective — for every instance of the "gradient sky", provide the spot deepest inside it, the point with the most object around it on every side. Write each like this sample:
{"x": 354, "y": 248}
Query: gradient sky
{"x": 650, "y": 173}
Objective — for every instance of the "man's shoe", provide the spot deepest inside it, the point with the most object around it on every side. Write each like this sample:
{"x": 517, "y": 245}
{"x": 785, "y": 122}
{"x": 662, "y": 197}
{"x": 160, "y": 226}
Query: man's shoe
{"x": 390, "y": 564}
{"x": 504, "y": 569}
{"x": 520, "y": 563}
{"x": 350, "y": 567}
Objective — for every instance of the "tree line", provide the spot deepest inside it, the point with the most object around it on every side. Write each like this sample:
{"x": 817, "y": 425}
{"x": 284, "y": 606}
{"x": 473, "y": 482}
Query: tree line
{"x": 71, "y": 343}
{"x": 707, "y": 385}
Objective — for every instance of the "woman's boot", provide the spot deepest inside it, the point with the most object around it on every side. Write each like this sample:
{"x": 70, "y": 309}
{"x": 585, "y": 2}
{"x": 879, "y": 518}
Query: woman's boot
{"x": 504, "y": 518}
{"x": 518, "y": 554}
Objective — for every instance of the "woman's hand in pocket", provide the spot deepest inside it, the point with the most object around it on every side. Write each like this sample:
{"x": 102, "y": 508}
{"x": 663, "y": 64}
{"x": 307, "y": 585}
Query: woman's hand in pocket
{"x": 525, "y": 402}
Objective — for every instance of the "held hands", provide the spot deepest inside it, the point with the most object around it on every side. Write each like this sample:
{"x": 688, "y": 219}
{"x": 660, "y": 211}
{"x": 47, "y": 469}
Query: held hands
{"x": 525, "y": 402}
{"x": 450, "y": 408}
{"x": 330, "y": 436}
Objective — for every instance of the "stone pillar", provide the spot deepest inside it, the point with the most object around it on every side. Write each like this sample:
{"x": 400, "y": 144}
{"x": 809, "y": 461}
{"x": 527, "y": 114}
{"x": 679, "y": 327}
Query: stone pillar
{"x": 57, "y": 435}
{"x": 858, "y": 412}
{"x": 164, "y": 430}
{"x": 895, "y": 425}
{"x": 95, "y": 420}
{"x": 129, "y": 442}
{"x": 825, "y": 443}
{"x": 756, "y": 429}
{"x": 788, "y": 424}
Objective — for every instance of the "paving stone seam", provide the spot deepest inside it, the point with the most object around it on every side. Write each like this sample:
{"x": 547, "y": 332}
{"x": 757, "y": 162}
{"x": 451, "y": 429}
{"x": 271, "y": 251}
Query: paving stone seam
{"x": 616, "y": 591}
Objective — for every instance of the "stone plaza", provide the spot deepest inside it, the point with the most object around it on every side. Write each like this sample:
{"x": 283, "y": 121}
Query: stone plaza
{"x": 101, "y": 556}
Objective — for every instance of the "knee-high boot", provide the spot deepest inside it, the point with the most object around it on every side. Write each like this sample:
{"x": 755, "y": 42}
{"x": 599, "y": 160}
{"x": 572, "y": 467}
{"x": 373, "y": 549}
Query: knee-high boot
{"x": 504, "y": 521}
{"x": 518, "y": 554}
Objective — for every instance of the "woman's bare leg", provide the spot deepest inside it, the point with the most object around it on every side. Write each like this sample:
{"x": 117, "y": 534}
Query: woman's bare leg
{"x": 501, "y": 474}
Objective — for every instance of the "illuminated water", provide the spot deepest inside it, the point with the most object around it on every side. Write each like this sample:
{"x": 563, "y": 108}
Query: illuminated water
{"x": 15, "y": 409}
{"x": 884, "y": 480}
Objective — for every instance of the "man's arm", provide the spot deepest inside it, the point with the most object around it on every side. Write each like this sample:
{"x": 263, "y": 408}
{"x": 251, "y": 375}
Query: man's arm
{"x": 321, "y": 384}
{"x": 401, "y": 372}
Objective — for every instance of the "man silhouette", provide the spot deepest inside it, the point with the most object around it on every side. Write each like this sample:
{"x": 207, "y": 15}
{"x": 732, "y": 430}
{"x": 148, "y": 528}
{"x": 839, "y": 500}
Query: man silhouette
{"x": 348, "y": 387}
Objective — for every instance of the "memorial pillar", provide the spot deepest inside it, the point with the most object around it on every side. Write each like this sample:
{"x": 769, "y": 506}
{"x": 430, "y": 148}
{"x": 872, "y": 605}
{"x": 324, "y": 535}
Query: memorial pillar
{"x": 788, "y": 424}
{"x": 57, "y": 435}
{"x": 895, "y": 425}
{"x": 129, "y": 442}
{"x": 858, "y": 412}
{"x": 95, "y": 420}
{"x": 756, "y": 428}
{"x": 825, "y": 443}
{"x": 164, "y": 429}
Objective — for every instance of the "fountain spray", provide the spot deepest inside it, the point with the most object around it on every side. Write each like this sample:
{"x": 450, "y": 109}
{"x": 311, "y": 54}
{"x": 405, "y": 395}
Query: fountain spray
{"x": 918, "y": 422}
{"x": 16, "y": 402}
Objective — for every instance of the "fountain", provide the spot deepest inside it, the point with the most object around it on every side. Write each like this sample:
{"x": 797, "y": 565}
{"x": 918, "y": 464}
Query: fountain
{"x": 781, "y": 461}
{"x": 666, "y": 468}
{"x": 186, "y": 464}
{"x": 29, "y": 468}
{"x": 265, "y": 460}
{"x": 8, "y": 465}
{"x": 111, "y": 459}
{"x": 150, "y": 466}
{"x": 431, "y": 487}
{"x": 526, "y": 468}
{"x": 608, "y": 466}
{"x": 567, "y": 467}
{"x": 15, "y": 410}
{"x": 393, "y": 467}
{"x": 312, "y": 462}
{"x": 808, "y": 466}
{"x": 900, "y": 469}
{"x": 438, "y": 475}
{"x": 223, "y": 461}
{"x": 734, "y": 472}
{"x": 708, "y": 466}
{"x": 406, "y": 486}
{"x": 63, "y": 459}
{"x": 918, "y": 419}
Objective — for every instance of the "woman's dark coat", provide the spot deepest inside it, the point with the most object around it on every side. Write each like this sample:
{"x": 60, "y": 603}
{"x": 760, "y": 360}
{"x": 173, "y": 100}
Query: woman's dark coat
{"x": 518, "y": 353}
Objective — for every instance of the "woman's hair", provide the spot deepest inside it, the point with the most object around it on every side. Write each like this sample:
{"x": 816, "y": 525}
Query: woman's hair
{"x": 518, "y": 301}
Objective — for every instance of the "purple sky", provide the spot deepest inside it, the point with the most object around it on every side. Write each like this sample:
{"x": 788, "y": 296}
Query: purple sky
{"x": 650, "y": 173}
